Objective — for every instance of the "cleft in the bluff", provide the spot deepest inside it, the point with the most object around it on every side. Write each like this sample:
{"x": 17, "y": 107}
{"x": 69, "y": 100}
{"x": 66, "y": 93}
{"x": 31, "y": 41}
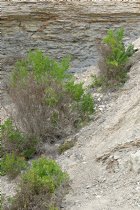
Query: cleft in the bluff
{"x": 104, "y": 165}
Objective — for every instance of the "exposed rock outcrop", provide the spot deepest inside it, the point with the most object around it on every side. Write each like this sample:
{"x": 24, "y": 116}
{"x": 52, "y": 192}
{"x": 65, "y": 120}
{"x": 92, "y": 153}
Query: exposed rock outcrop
{"x": 61, "y": 28}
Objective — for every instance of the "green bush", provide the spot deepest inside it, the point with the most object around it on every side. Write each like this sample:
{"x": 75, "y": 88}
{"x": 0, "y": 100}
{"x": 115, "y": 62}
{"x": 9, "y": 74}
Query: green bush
{"x": 11, "y": 165}
{"x": 86, "y": 104}
{"x": 47, "y": 100}
{"x": 75, "y": 90}
{"x": 12, "y": 140}
{"x": 114, "y": 57}
{"x": 40, "y": 185}
{"x": 44, "y": 174}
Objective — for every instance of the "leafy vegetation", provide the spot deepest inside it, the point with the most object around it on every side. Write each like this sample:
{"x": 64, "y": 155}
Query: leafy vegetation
{"x": 12, "y": 140}
{"x": 114, "y": 59}
{"x": 47, "y": 99}
{"x": 49, "y": 104}
{"x": 44, "y": 173}
{"x": 11, "y": 165}
{"x": 40, "y": 186}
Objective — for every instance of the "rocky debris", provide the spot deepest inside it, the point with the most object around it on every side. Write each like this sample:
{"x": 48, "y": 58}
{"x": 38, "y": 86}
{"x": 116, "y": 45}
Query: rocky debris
{"x": 135, "y": 161}
{"x": 8, "y": 188}
{"x": 86, "y": 76}
{"x": 114, "y": 139}
{"x": 123, "y": 157}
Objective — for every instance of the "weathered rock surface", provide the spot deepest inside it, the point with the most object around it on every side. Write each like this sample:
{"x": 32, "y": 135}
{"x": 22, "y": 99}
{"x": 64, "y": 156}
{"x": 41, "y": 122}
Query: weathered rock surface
{"x": 104, "y": 164}
{"x": 61, "y": 28}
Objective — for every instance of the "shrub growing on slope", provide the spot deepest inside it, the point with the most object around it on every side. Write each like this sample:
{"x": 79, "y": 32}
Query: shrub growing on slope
{"x": 12, "y": 165}
{"x": 48, "y": 101}
{"x": 12, "y": 140}
{"x": 114, "y": 58}
{"x": 41, "y": 187}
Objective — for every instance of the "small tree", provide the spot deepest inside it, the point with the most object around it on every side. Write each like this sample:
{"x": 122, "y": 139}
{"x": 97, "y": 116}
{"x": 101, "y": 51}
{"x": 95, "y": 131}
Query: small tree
{"x": 115, "y": 57}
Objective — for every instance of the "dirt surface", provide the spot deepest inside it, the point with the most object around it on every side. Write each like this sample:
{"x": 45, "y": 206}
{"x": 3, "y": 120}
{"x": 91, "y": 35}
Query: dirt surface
{"x": 100, "y": 165}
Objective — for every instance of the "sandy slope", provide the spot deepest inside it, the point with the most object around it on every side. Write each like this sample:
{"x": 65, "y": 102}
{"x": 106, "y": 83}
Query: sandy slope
{"x": 100, "y": 163}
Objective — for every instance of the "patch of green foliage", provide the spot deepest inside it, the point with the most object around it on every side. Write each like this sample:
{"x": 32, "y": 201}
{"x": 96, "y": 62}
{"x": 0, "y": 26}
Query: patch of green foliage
{"x": 97, "y": 81}
{"x": 42, "y": 67}
{"x": 115, "y": 56}
{"x": 86, "y": 104}
{"x": 53, "y": 208}
{"x": 119, "y": 53}
{"x": 43, "y": 174}
{"x": 39, "y": 186}
{"x": 46, "y": 96}
{"x": 75, "y": 90}
{"x": 11, "y": 165}
{"x": 12, "y": 140}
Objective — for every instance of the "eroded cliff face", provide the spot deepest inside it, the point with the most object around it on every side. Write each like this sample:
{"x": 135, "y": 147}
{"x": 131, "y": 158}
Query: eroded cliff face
{"x": 61, "y": 28}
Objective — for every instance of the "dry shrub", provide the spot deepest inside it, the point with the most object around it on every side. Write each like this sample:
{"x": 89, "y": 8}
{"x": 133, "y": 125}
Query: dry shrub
{"x": 49, "y": 104}
{"x": 105, "y": 51}
{"x": 27, "y": 200}
{"x": 45, "y": 109}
